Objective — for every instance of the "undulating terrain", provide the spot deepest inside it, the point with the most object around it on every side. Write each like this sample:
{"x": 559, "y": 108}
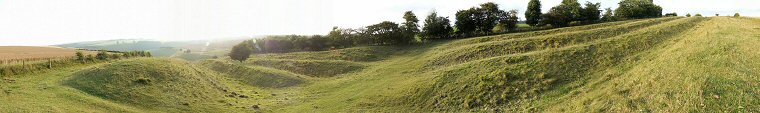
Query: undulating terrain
{"x": 674, "y": 64}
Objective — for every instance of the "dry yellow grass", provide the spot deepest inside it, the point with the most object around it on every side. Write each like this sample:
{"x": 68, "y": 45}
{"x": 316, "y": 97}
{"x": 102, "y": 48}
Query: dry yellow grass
{"x": 9, "y": 54}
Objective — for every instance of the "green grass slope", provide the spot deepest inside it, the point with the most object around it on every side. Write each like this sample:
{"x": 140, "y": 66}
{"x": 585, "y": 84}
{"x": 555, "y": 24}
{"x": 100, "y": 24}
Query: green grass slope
{"x": 514, "y": 78}
{"x": 314, "y": 68}
{"x": 712, "y": 68}
{"x": 357, "y": 54}
{"x": 152, "y": 83}
{"x": 672, "y": 64}
{"x": 256, "y": 75}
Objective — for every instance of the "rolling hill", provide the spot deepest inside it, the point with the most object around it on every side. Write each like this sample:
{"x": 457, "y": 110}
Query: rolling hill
{"x": 674, "y": 64}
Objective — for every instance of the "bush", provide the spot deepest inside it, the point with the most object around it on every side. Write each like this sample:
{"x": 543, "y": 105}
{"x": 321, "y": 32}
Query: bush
{"x": 241, "y": 51}
{"x": 736, "y": 15}
{"x": 671, "y": 14}
{"x": 80, "y": 56}
{"x": 688, "y": 15}
{"x": 102, "y": 55}
{"x": 698, "y": 15}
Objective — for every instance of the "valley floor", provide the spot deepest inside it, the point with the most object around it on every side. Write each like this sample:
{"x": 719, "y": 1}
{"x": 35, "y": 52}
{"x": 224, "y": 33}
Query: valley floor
{"x": 652, "y": 65}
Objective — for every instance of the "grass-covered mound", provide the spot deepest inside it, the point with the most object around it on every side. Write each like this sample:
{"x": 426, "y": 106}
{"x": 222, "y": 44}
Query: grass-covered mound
{"x": 498, "y": 46}
{"x": 513, "y": 79}
{"x": 152, "y": 83}
{"x": 255, "y": 75}
{"x": 357, "y": 54}
{"x": 315, "y": 68}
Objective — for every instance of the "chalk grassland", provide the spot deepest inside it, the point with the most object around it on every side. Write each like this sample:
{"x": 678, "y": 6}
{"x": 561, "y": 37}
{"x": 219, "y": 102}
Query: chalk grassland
{"x": 672, "y": 64}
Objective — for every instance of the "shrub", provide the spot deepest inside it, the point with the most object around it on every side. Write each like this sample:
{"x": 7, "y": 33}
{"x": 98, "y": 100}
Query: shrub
{"x": 241, "y": 51}
{"x": 688, "y": 15}
{"x": 698, "y": 15}
{"x": 80, "y": 56}
{"x": 102, "y": 55}
{"x": 671, "y": 14}
{"x": 736, "y": 15}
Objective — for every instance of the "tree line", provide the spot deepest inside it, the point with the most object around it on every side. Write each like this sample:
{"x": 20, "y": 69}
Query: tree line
{"x": 484, "y": 19}
{"x": 104, "y": 55}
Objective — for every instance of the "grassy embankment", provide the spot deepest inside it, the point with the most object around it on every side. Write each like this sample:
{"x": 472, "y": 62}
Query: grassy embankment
{"x": 651, "y": 65}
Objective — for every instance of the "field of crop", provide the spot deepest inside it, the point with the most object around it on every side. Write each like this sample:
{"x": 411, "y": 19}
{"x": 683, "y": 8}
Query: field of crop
{"x": 18, "y": 54}
{"x": 675, "y": 64}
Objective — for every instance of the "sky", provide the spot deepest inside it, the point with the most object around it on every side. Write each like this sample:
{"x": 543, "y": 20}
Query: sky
{"x": 49, "y": 22}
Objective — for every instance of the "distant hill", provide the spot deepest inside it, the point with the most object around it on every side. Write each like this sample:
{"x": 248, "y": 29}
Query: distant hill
{"x": 217, "y": 47}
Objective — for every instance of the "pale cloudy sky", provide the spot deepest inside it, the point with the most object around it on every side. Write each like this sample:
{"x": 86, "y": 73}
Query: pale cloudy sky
{"x": 46, "y": 22}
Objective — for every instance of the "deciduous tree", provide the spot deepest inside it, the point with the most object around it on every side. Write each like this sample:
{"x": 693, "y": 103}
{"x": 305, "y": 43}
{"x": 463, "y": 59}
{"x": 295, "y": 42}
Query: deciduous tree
{"x": 436, "y": 27}
{"x": 533, "y": 14}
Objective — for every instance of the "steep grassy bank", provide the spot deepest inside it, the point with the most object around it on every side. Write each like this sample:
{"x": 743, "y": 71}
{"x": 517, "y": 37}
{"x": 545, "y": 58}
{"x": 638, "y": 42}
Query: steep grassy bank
{"x": 514, "y": 79}
{"x": 314, "y": 68}
{"x": 255, "y": 75}
{"x": 152, "y": 83}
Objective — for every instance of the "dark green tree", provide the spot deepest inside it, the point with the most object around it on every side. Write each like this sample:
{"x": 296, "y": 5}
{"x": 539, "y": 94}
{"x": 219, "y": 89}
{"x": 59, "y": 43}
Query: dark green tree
{"x": 436, "y": 27}
{"x": 487, "y": 16}
{"x": 387, "y": 33}
{"x": 465, "y": 21}
{"x": 241, "y": 51}
{"x": 558, "y": 16}
{"x": 591, "y": 12}
{"x": 635, "y": 9}
{"x": 737, "y": 15}
{"x": 607, "y": 16}
{"x": 688, "y": 15}
{"x": 410, "y": 26}
{"x": 533, "y": 14}
{"x": 508, "y": 20}
{"x": 574, "y": 8}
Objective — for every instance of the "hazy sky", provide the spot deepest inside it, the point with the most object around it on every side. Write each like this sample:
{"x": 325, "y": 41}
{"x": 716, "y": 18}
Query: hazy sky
{"x": 46, "y": 22}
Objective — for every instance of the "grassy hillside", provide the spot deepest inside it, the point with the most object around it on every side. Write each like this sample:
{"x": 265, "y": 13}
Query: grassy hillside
{"x": 255, "y": 75}
{"x": 671, "y": 64}
{"x": 152, "y": 83}
{"x": 315, "y": 68}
